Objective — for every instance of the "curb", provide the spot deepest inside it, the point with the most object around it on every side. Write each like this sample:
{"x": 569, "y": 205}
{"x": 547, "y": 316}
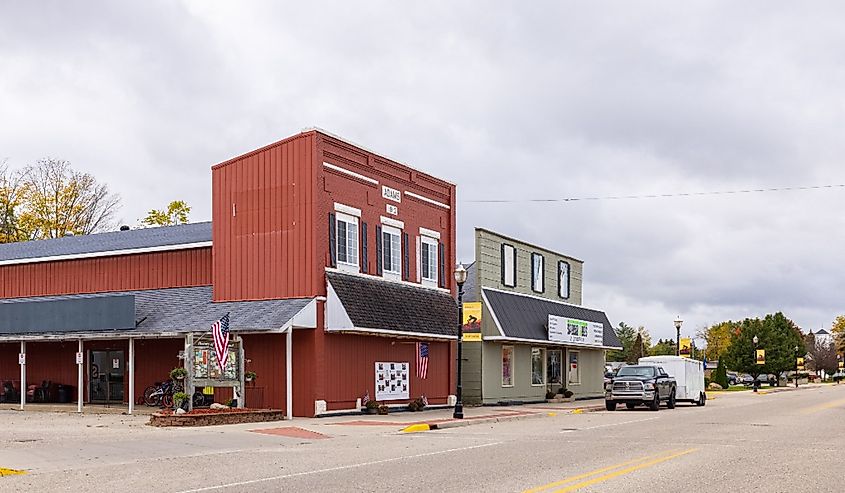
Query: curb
{"x": 420, "y": 427}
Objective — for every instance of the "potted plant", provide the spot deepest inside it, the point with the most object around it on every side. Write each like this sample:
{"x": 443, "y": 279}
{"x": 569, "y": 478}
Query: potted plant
{"x": 417, "y": 404}
{"x": 550, "y": 395}
{"x": 178, "y": 373}
{"x": 180, "y": 400}
{"x": 250, "y": 376}
{"x": 383, "y": 409}
{"x": 371, "y": 407}
{"x": 568, "y": 395}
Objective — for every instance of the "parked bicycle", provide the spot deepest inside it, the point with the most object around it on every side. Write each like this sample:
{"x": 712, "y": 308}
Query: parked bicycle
{"x": 160, "y": 394}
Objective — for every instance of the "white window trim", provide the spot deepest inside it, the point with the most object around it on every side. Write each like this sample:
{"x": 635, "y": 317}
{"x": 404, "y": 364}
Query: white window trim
{"x": 348, "y": 266}
{"x": 502, "y": 365}
{"x": 568, "y": 280}
{"x": 347, "y": 209}
{"x": 513, "y": 270}
{"x": 430, "y": 233}
{"x": 428, "y": 281}
{"x": 391, "y": 274}
{"x": 543, "y": 363}
{"x": 392, "y": 222}
{"x": 569, "y": 366}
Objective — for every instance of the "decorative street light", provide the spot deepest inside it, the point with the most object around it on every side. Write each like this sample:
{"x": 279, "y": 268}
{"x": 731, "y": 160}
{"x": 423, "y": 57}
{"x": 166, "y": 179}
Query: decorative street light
{"x": 796, "y": 367}
{"x": 460, "y": 279}
{"x": 678, "y": 323}
{"x": 755, "y": 340}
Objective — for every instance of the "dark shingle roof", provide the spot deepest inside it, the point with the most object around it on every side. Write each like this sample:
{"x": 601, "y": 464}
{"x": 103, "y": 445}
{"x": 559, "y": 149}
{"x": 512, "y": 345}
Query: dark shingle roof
{"x": 104, "y": 242}
{"x": 527, "y": 317}
{"x": 191, "y": 310}
{"x": 471, "y": 286}
{"x": 385, "y": 305}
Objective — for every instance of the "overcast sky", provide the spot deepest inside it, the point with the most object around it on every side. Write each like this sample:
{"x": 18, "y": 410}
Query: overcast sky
{"x": 518, "y": 100}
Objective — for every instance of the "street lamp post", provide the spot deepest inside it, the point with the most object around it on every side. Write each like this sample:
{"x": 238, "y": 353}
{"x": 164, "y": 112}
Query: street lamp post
{"x": 755, "y": 340}
{"x": 460, "y": 279}
{"x": 796, "y": 367}
{"x": 678, "y": 323}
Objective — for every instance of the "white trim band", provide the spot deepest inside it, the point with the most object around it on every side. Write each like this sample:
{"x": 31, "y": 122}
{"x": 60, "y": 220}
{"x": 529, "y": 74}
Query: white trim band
{"x": 545, "y": 343}
{"x": 413, "y": 335}
{"x": 426, "y": 199}
{"x": 347, "y": 209}
{"x": 107, "y": 253}
{"x": 430, "y": 233}
{"x": 393, "y": 222}
{"x": 350, "y": 173}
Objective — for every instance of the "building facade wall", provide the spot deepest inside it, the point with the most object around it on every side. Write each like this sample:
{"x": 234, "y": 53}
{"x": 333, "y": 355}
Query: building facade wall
{"x": 488, "y": 255}
{"x": 157, "y": 270}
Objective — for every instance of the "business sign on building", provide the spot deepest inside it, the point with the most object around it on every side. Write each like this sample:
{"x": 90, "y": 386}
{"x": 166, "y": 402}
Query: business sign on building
{"x": 472, "y": 321}
{"x": 574, "y": 331}
{"x": 391, "y": 194}
{"x": 392, "y": 381}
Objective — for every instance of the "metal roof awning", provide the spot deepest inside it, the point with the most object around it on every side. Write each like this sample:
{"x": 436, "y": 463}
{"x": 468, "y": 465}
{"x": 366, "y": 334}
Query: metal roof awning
{"x": 366, "y": 305}
{"x": 524, "y": 318}
{"x": 155, "y": 313}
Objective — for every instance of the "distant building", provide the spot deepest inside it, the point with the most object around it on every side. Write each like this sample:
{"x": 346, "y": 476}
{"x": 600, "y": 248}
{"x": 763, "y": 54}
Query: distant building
{"x": 823, "y": 337}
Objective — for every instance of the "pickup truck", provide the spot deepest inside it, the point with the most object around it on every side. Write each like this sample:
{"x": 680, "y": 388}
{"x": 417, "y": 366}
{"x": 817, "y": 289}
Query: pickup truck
{"x": 640, "y": 384}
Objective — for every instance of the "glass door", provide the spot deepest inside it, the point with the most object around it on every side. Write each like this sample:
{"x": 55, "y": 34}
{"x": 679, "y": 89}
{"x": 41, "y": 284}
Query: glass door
{"x": 106, "y": 376}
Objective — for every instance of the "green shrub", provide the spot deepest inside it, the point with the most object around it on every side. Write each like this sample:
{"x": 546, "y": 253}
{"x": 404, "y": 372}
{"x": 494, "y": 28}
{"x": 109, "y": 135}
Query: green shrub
{"x": 720, "y": 376}
{"x": 706, "y": 382}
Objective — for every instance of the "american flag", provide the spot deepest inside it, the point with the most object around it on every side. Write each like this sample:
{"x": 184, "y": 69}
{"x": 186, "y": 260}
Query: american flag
{"x": 365, "y": 399}
{"x": 220, "y": 333}
{"x": 422, "y": 360}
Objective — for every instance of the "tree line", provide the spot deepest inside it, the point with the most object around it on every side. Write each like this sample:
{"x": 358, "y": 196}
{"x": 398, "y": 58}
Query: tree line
{"x": 50, "y": 199}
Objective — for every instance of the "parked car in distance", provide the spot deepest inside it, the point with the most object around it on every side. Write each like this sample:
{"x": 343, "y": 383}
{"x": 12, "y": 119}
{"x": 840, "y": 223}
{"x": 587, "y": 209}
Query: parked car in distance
{"x": 640, "y": 384}
{"x": 733, "y": 378}
{"x": 747, "y": 379}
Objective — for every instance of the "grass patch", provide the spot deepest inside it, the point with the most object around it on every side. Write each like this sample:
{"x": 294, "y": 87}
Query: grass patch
{"x": 733, "y": 388}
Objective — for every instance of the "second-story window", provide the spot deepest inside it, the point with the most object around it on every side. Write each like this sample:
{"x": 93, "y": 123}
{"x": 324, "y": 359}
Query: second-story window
{"x": 508, "y": 265}
{"x": 391, "y": 251}
{"x": 538, "y": 273}
{"x": 428, "y": 260}
{"x": 347, "y": 241}
{"x": 563, "y": 279}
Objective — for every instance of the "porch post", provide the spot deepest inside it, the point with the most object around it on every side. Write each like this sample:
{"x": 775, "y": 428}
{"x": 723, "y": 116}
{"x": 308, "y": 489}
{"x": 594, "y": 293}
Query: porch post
{"x": 289, "y": 373}
{"x": 80, "y": 392}
{"x": 22, "y": 362}
{"x": 241, "y": 368}
{"x": 188, "y": 364}
{"x": 131, "y": 374}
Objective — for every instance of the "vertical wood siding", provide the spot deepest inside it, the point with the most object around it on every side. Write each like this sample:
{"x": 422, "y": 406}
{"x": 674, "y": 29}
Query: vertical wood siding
{"x": 179, "y": 268}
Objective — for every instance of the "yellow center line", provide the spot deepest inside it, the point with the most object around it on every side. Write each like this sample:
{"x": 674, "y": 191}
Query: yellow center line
{"x": 822, "y": 407}
{"x": 621, "y": 472}
{"x": 592, "y": 473}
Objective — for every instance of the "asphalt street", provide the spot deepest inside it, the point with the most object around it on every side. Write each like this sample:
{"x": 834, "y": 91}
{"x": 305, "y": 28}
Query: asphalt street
{"x": 775, "y": 442}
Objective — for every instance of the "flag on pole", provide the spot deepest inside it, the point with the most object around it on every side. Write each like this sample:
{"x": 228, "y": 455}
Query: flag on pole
{"x": 422, "y": 360}
{"x": 220, "y": 334}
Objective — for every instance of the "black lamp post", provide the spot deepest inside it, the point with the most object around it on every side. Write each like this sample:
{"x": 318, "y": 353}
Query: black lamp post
{"x": 678, "y": 323}
{"x": 755, "y": 340}
{"x": 460, "y": 279}
{"x": 796, "y": 367}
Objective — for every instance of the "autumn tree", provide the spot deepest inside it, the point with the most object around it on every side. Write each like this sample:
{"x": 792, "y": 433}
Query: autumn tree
{"x": 11, "y": 196}
{"x": 58, "y": 200}
{"x": 718, "y": 338}
{"x": 837, "y": 328}
{"x": 663, "y": 348}
{"x": 176, "y": 213}
{"x": 822, "y": 356}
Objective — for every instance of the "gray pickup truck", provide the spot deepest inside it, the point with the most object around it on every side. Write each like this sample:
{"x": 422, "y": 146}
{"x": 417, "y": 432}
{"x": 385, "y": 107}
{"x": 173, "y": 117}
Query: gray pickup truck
{"x": 640, "y": 384}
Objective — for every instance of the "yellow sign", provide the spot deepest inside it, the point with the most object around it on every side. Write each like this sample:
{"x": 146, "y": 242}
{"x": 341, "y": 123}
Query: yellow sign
{"x": 761, "y": 356}
{"x": 686, "y": 345}
{"x": 472, "y": 321}
{"x": 842, "y": 364}
{"x": 800, "y": 363}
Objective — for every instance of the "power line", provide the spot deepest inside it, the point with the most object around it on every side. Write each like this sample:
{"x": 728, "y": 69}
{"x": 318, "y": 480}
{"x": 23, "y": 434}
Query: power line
{"x": 656, "y": 196}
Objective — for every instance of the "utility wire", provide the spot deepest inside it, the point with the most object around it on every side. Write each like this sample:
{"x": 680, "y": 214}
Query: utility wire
{"x": 656, "y": 196}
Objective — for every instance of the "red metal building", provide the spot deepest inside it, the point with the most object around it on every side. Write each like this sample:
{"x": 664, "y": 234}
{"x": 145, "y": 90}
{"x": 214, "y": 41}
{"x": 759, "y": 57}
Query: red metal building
{"x": 319, "y": 249}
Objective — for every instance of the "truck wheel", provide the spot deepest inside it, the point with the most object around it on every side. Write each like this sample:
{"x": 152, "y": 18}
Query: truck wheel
{"x": 702, "y": 398}
{"x": 610, "y": 405}
{"x": 655, "y": 404}
{"x": 630, "y": 405}
{"x": 670, "y": 404}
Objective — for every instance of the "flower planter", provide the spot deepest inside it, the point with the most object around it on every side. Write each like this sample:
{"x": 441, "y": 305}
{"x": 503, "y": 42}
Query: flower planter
{"x": 206, "y": 417}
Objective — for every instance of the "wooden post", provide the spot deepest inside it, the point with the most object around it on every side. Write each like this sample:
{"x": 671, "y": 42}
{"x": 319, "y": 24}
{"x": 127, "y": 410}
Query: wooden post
{"x": 22, "y": 362}
{"x": 188, "y": 364}
{"x": 241, "y": 366}
{"x": 131, "y": 375}
{"x": 80, "y": 379}
{"x": 289, "y": 374}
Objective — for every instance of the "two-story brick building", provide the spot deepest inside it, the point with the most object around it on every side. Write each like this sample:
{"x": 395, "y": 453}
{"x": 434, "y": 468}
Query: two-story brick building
{"x": 534, "y": 336}
{"x": 332, "y": 261}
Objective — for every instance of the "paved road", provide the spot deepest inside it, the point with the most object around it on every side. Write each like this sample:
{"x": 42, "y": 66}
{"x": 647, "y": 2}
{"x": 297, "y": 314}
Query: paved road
{"x": 788, "y": 441}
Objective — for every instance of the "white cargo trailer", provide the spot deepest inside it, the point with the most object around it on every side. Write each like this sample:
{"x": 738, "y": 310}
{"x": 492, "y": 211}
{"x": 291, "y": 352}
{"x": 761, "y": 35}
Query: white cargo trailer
{"x": 688, "y": 374}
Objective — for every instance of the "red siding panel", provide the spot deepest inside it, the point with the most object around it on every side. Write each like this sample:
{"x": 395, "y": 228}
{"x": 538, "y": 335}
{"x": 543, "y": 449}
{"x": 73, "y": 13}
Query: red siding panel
{"x": 178, "y": 268}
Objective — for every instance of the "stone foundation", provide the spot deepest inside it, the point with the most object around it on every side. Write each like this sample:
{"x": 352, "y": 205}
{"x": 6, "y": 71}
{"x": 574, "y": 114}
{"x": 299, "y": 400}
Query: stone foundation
{"x": 218, "y": 418}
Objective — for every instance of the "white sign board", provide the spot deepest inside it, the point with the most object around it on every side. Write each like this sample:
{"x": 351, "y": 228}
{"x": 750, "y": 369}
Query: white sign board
{"x": 574, "y": 331}
{"x": 392, "y": 381}
{"x": 391, "y": 194}
{"x": 79, "y": 359}
{"x": 21, "y": 358}
{"x": 392, "y": 209}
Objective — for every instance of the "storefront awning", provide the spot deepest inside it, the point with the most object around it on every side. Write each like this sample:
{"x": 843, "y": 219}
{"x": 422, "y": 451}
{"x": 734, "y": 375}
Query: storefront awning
{"x": 361, "y": 304}
{"x": 525, "y": 318}
{"x": 147, "y": 313}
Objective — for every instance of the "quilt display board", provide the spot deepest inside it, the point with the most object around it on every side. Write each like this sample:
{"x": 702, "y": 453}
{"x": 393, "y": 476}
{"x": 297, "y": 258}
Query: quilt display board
{"x": 392, "y": 381}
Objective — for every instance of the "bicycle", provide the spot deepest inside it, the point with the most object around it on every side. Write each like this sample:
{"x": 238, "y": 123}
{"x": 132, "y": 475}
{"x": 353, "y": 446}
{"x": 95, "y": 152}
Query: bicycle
{"x": 160, "y": 394}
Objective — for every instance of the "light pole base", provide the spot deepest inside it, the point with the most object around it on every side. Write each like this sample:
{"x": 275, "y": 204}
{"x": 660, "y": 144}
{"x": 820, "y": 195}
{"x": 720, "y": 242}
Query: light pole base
{"x": 459, "y": 411}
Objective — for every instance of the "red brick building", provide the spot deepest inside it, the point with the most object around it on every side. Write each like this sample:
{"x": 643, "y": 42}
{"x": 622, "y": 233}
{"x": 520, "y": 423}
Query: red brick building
{"x": 318, "y": 249}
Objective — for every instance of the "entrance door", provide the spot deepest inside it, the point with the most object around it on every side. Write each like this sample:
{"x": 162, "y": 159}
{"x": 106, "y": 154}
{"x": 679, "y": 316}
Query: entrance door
{"x": 106, "y": 376}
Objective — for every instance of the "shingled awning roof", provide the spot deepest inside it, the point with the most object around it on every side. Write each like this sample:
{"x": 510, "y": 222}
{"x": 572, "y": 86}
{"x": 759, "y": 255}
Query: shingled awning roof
{"x": 522, "y": 317}
{"x": 156, "y": 312}
{"x": 365, "y": 304}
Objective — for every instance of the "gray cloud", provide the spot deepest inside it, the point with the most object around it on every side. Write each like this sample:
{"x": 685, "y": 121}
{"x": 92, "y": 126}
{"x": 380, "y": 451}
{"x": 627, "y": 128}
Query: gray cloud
{"x": 522, "y": 101}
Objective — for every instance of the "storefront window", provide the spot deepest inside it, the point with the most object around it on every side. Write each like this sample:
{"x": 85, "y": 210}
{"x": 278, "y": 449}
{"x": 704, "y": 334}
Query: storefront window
{"x": 554, "y": 365}
{"x": 574, "y": 370}
{"x": 507, "y": 366}
{"x": 537, "y": 373}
